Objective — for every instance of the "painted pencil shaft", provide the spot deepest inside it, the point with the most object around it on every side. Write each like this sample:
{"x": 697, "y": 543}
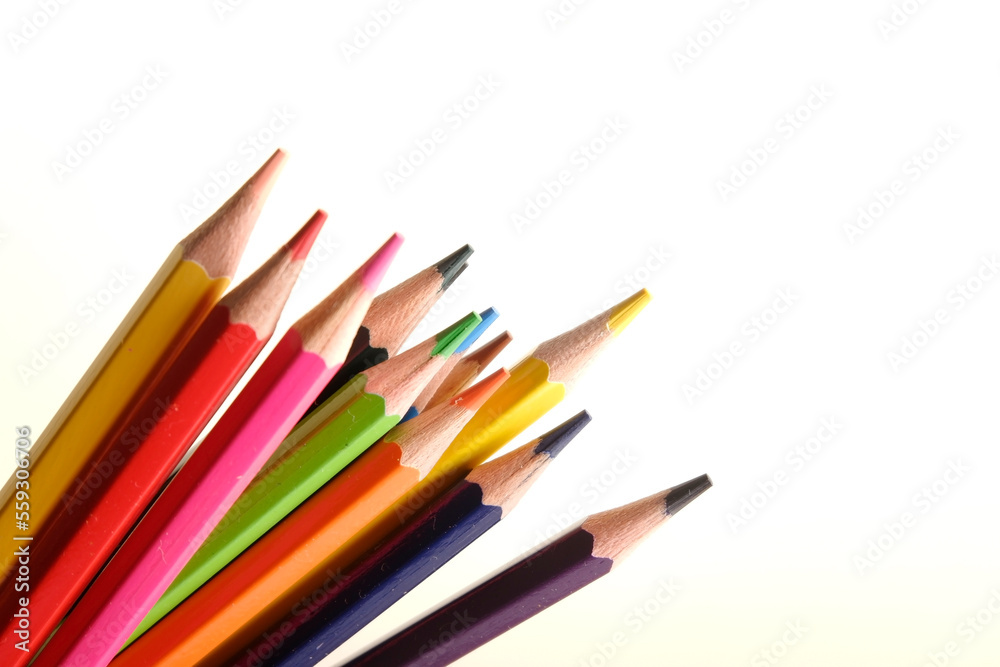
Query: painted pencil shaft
{"x": 218, "y": 471}
{"x": 95, "y": 519}
{"x": 240, "y": 600}
{"x": 536, "y": 385}
{"x": 527, "y": 587}
{"x": 319, "y": 447}
{"x": 437, "y": 534}
{"x": 179, "y": 297}
{"x": 532, "y": 584}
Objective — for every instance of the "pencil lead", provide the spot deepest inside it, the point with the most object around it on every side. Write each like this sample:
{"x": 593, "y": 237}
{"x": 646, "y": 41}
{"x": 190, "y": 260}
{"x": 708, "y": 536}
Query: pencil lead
{"x": 302, "y": 242}
{"x": 622, "y": 314}
{"x": 555, "y": 440}
{"x": 447, "y": 282}
{"x": 451, "y": 266}
{"x": 489, "y": 316}
{"x": 474, "y": 397}
{"x": 374, "y": 269}
{"x": 676, "y": 498}
{"x": 451, "y": 337}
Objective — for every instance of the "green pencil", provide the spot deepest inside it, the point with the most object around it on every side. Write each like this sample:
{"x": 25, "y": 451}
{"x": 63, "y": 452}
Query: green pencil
{"x": 333, "y": 435}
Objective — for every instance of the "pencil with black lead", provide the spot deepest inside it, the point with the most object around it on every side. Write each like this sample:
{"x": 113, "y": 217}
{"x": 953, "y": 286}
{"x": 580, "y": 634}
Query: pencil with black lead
{"x": 576, "y": 558}
{"x": 311, "y": 631}
{"x": 393, "y": 316}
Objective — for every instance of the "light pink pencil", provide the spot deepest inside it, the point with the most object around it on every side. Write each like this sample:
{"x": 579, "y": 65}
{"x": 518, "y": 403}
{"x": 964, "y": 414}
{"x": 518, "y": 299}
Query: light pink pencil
{"x": 206, "y": 487}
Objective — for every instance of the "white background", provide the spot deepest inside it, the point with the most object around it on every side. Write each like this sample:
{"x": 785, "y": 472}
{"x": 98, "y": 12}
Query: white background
{"x": 653, "y": 190}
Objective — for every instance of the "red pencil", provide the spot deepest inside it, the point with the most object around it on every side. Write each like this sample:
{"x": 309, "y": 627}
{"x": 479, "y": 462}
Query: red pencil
{"x": 124, "y": 480}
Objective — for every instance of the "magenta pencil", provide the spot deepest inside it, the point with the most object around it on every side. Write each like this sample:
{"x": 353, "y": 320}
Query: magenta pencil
{"x": 206, "y": 487}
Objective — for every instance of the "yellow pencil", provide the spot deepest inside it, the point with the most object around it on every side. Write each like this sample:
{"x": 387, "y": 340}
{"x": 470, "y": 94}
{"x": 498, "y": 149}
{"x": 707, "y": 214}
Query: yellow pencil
{"x": 181, "y": 294}
{"x": 536, "y": 385}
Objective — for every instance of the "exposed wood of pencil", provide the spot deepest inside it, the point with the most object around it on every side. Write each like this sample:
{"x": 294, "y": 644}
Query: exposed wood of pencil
{"x": 421, "y": 402}
{"x": 535, "y": 387}
{"x": 238, "y": 601}
{"x": 464, "y": 371}
{"x": 393, "y": 316}
{"x": 178, "y": 298}
{"x": 534, "y": 583}
{"x": 352, "y": 420}
{"x": 191, "y": 505}
{"x": 129, "y": 473}
{"x": 333, "y": 612}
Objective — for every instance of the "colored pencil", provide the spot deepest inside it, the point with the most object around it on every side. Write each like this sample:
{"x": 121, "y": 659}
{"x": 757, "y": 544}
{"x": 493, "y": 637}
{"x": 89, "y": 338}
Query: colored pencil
{"x": 537, "y": 581}
{"x": 393, "y": 317}
{"x": 318, "y": 448}
{"x": 466, "y": 369}
{"x": 488, "y": 316}
{"x": 218, "y": 471}
{"x": 236, "y": 603}
{"x": 310, "y": 632}
{"x": 98, "y": 515}
{"x": 536, "y": 385}
{"x": 174, "y": 303}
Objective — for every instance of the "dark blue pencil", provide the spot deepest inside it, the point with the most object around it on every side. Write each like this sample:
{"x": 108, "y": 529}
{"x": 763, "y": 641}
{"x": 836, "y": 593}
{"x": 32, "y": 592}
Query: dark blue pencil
{"x": 389, "y": 571}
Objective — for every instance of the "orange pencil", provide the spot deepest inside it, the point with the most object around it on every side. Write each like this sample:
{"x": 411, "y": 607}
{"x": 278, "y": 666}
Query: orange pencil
{"x": 245, "y": 597}
{"x": 460, "y": 372}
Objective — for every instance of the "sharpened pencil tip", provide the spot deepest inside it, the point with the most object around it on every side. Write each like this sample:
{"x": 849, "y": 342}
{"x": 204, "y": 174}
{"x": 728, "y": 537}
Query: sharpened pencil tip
{"x": 452, "y": 265}
{"x": 622, "y": 314}
{"x": 474, "y": 397}
{"x": 453, "y": 277}
{"x": 265, "y": 177}
{"x": 451, "y": 337}
{"x": 679, "y": 496}
{"x": 374, "y": 269}
{"x": 489, "y": 316}
{"x": 302, "y": 242}
{"x": 489, "y": 351}
{"x": 555, "y": 440}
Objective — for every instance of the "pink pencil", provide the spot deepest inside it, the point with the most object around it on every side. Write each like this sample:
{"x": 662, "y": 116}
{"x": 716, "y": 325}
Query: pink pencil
{"x": 206, "y": 487}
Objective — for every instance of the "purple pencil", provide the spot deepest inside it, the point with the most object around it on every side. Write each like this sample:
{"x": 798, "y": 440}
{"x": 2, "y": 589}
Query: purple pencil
{"x": 537, "y": 581}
